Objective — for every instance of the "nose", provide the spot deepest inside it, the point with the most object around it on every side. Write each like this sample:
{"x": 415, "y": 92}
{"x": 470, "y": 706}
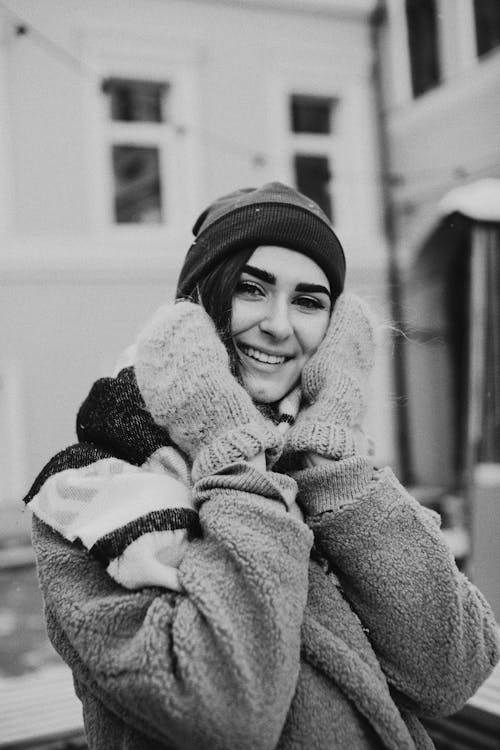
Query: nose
{"x": 276, "y": 321}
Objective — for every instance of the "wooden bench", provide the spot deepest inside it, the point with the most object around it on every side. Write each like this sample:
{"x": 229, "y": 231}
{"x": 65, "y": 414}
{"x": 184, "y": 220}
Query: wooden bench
{"x": 40, "y": 710}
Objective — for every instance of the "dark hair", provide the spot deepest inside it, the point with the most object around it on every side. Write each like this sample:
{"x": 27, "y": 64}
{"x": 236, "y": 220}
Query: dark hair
{"x": 215, "y": 292}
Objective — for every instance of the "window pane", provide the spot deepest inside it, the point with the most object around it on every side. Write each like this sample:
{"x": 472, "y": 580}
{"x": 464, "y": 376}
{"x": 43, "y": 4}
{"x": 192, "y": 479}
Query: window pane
{"x": 137, "y": 187}
{"x": 311, "y": 114}
{"x": 312, "y": 177}
{"x": 487, "y": 15}
{"x": 135, "y": 101}
{"x": 423, "y": 40}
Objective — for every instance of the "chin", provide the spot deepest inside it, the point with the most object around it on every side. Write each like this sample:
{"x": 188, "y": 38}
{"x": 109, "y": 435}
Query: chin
{"x": 265, "y": 393}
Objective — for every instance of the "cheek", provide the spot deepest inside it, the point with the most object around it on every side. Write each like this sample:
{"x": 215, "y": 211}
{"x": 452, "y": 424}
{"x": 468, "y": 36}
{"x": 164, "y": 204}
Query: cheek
{"x": 244, "y": 315}
{"x": 312, "y": 333}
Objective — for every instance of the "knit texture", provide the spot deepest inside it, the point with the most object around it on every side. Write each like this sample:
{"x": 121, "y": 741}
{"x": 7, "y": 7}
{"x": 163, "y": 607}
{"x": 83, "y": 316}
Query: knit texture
{"x": 331, "y": 487}
{"x": 112, "y": 423}
{"x": 407, "y": 635}
{"x": 264, "y": 646}
{"x": 182, "y": 370}
{"x": 136, "y": 520}
{"x": 274, "y": 214}
{"x": 114, "y": 417}
{"x": 335, "y": 384}
{"x": 134, "y": 516}
{"x": 144, "y": 663}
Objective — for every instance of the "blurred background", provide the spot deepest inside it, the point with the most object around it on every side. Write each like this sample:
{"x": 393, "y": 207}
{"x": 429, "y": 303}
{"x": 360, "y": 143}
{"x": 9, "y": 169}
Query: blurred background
{"x": 121, "y": 120}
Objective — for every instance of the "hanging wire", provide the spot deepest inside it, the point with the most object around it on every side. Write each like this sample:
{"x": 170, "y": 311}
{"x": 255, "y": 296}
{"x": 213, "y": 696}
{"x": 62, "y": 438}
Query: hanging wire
{"x": 398, "y": 181}
{"x": 55, "y": 50}
{"x": 24, "y": 28}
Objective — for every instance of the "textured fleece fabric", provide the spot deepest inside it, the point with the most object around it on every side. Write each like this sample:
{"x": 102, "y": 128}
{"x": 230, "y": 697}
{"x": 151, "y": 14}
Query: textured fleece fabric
{"x": 268, "y": 645}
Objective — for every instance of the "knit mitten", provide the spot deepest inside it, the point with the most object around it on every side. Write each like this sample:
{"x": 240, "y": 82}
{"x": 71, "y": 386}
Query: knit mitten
{"x": 335, "y": 385}
{"x": 182, "y": 370}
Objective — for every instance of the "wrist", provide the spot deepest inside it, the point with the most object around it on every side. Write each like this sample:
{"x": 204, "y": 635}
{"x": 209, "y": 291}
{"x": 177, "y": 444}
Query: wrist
{"x": 245, "y": 442}
{"x": 330, "y": 485}
{"x": 313, "y": 435}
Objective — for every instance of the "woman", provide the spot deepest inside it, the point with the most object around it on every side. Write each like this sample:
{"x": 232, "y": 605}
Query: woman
{"x": 336, "y": 629}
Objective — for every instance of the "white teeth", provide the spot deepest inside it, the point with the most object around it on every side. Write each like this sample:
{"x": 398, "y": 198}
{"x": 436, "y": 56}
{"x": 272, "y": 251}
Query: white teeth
{"x": 270, "y": 359}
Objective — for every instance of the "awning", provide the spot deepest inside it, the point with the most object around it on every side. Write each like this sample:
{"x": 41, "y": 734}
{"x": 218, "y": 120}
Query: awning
{"x": 478, "y": 200}
{"x": 457, "y": 213}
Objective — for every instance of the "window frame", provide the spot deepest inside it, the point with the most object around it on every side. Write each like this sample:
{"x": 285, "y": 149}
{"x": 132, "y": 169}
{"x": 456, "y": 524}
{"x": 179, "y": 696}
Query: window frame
{"x": 354, "y": 161}
{"x": 123, "y": 54}
{"x": 491, "y": 51}
{"x": 437, "y": 48}
{"x": 159, "y": 135}
{"x": 315, "y": 144}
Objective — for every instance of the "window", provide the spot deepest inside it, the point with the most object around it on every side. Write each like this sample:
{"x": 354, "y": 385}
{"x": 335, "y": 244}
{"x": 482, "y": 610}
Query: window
{"x": 421, "y": 19}
{"x": 136, "y": 172}
{"x": 139, "y": 131}
{"x": 311, "y": 114}
{"x": 135, "y": 101}
{"x": 487, "y": 18}
{"x": 312, "y": 177}
{"x": 313, "y": 144}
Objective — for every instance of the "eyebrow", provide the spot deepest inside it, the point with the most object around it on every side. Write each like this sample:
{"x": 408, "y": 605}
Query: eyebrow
{"x": 270, "y": 278}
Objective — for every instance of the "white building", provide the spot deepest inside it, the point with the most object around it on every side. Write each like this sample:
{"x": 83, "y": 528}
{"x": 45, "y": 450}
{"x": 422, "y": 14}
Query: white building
{"x": 442, "y": 66}
{"x": 119, "y": 122}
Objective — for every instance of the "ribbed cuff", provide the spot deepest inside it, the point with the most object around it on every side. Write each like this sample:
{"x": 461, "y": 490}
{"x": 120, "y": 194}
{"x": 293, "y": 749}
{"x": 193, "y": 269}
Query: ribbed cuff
{"x": 330, "y": 487}
{"x": 244, "y": 477}
{"x": 327, "y": 440}
{"x": 239, "y": 444}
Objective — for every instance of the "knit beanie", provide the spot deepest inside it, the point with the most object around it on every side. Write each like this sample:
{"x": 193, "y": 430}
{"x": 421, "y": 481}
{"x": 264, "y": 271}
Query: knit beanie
{"x": 274, "y": 214}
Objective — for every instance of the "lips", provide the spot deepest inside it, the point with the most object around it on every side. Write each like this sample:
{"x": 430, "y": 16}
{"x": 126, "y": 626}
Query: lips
{"x": 263, "y": 357}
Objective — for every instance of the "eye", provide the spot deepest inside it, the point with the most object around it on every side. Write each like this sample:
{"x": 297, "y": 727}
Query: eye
{"x": 310, "y": 303}
{"x": 248, "y": 289}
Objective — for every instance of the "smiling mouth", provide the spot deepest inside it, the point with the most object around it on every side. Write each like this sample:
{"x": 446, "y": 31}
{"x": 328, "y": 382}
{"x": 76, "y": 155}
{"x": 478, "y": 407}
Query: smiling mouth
{"x": 258, "y": 356}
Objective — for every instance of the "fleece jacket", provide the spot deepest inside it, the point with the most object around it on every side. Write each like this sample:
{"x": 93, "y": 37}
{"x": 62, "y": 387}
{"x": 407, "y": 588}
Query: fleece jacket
{"x": 335, "y": 633}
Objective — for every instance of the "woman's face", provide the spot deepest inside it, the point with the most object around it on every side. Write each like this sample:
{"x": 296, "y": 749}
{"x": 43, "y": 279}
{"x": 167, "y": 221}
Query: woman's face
{"x": 280, "y": 313}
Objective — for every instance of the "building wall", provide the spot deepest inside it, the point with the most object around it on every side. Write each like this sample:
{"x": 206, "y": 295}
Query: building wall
{"x": 444, "y": 138}
{"x": 447, "y": 138}
{"x": 76, "y": 287}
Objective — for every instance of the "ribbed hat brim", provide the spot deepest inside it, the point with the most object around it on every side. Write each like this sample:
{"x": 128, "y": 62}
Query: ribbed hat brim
{"x": 266, "y": 223}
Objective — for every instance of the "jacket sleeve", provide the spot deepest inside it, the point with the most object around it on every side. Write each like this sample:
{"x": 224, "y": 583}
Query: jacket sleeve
{"x": 212, "y": 667}
{"x": 433, "y": 632}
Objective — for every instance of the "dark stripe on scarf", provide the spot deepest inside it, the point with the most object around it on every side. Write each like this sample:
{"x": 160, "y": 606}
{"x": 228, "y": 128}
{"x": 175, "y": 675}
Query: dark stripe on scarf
{"x": 112, "y": 422}
{"x": 74, "y": 457}
{"x": 114, "y": 417}
{"x": 114, "y": 544}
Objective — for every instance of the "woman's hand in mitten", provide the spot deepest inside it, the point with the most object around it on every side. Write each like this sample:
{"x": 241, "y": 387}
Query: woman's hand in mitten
{"x": 182, "y": 369}
{"x": 335, "y": 386}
